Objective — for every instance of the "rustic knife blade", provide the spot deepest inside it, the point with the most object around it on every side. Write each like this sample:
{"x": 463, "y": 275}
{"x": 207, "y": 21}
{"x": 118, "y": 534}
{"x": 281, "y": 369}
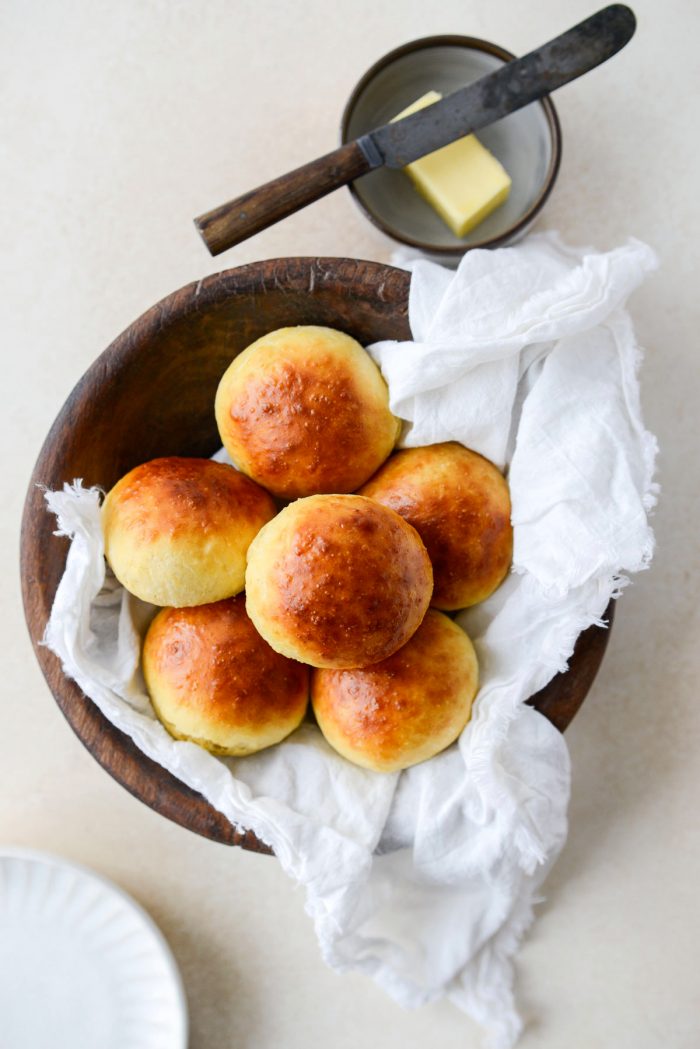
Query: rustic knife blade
{"x": 514, "y": 85}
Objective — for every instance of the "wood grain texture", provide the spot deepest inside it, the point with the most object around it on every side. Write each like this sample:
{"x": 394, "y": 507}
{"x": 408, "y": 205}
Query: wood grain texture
{"x": 254, "y": 211}
{"x": 561, "y": 698}
{"x": 151, "y": 393}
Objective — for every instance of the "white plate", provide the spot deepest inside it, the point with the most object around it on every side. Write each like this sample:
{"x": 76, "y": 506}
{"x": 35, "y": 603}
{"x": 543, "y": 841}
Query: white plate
{"x": 81, "y": 965}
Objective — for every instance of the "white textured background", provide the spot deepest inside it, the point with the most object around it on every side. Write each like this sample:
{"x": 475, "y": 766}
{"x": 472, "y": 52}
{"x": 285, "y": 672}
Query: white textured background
{"x": 119, "y": 121}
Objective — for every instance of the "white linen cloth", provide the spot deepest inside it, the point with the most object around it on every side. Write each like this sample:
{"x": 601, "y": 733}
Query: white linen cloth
{"x": 426, "y": 880}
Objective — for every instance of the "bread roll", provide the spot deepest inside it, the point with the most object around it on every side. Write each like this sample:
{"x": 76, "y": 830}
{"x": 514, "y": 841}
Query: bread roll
{"x": 405, "y": 709}
{"x": 177, "y": 530}
{"x": 213, "y": 680}
{"x": 305, "y": 410}
{"x": 459, "y": 504}
{"x": 337, "y": 581}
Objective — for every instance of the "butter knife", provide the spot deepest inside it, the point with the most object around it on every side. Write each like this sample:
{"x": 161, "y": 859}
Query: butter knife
{"x": 515, "y": 84}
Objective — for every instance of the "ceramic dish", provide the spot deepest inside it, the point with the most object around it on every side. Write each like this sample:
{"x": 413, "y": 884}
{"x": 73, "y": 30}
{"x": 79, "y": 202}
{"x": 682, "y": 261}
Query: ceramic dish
{"x": 151, "y": 393}
{"x": 81, "y": 964}
{"x": 527, "y": 143}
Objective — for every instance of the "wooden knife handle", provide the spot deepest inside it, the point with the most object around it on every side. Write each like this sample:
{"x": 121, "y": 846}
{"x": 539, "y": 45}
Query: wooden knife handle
{"x": 231, "y": 223}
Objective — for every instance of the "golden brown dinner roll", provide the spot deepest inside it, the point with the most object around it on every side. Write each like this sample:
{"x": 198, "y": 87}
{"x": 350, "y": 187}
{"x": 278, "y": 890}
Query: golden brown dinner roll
{"x": 177, "y": 530}
{"x": 213, "y": 680}
{"x": 406, "y": 708}
{"x": 459, "y": 504}
{"x": 337, "y": 581}
{"x": 305, "y": 410}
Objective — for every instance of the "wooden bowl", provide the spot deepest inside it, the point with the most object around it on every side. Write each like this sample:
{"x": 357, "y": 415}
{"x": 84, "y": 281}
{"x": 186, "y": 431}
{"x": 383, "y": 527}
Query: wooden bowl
{"x": 151, "y": 393}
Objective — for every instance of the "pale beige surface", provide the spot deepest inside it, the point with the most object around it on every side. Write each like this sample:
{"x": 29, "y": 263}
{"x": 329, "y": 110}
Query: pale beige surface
{"x": 120, "y": 121}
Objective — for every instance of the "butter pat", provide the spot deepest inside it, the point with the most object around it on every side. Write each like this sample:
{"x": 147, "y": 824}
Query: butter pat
{"x": 462, "y": 181}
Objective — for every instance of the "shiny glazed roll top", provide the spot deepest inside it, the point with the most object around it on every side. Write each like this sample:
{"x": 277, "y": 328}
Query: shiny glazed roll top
{"x": 304, "y": 411}
{"x": 337, "y": 581}
{"x": 405, "y": 709}
{"x": 213, "y": 680}
{"x": 459, "y": 504}
{"x": 177, "y": 530}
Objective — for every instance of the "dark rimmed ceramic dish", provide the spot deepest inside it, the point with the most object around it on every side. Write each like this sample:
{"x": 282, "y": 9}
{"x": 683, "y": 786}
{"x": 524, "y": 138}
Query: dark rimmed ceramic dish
{"x": 528, "y": 144}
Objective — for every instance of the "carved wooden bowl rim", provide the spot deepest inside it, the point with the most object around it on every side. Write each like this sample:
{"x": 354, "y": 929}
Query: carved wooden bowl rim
{"x": 116, "y": 752}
